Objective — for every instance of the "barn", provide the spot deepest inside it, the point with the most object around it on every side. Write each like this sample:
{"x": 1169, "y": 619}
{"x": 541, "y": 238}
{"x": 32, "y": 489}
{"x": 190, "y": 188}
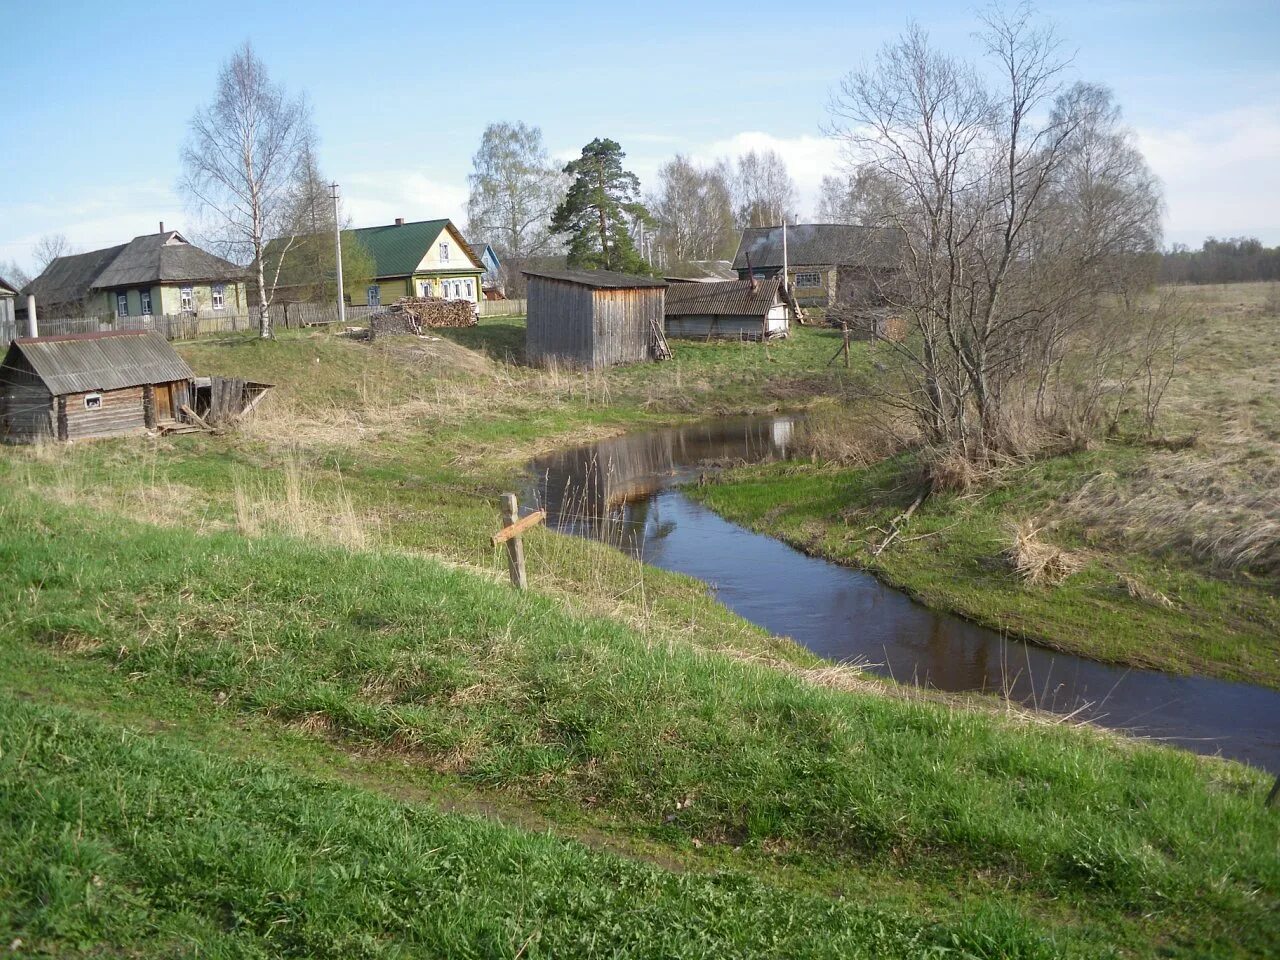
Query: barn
{"x": 733, "y": 310}
{"x": 593, "y": 318}
{"x": 86, "y": 385}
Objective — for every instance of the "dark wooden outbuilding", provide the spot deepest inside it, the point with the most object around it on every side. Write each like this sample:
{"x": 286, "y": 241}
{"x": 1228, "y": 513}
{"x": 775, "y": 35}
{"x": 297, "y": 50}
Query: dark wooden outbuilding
{"x": 91, "y": 385}
{"x": 593, "y": 318}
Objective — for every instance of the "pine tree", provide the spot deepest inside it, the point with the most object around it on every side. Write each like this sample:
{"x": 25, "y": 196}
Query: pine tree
{"x": 602, "y": 198}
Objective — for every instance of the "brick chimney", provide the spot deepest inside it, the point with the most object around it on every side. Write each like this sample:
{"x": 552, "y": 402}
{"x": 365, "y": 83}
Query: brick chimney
{"x": 399, "y": 221}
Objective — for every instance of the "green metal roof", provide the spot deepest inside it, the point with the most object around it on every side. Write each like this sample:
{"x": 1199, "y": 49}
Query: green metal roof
{"x": 397, "y": 250}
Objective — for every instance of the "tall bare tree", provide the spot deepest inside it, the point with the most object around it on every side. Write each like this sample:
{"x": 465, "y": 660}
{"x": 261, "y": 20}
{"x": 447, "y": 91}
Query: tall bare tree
{"x": 14, "y": 274}
{"x": 514, "y": 190}
{"x": 240, "y": 167}
{"x": 1001, "y": 259}
{"x": 764, "y": 193}
{"x": 864, "y": 198}
{"x": 694, "y": 209}
{"x": 48, "y": 249}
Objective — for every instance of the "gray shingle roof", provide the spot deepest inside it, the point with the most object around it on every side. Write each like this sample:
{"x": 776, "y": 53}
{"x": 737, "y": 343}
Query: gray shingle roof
{"x": 68, "y": 279}
{"x": 152, "y": 258}
{"x": 164, "y": 257}
{"x": 81, "y": 362}
{"x": 730, "y": 298}
{"x": 7, "y": 288}
{"x": 817, "y": 244}
{"x": 600, "y": 279}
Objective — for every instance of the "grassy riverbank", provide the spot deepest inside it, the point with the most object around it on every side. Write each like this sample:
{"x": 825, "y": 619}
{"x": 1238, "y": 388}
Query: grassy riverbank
{"x": 1178, "y": 541}
{"x": 266, "y": 694}
{"x": 1057, "y": 841}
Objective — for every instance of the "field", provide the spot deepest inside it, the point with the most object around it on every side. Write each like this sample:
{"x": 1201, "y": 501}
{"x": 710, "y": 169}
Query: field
{"x": 267, "y": 694}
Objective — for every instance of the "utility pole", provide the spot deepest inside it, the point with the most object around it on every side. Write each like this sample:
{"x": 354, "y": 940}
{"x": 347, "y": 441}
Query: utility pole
{"x": 786, "y": 284}
{"x": 337, "y": 245}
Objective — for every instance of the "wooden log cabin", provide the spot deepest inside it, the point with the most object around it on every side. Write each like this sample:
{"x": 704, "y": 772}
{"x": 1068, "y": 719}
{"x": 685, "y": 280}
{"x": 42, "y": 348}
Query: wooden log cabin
{"x": 732, "y": 309}
{"x": 88, "y": 385}
{"x": 592, "y": 318}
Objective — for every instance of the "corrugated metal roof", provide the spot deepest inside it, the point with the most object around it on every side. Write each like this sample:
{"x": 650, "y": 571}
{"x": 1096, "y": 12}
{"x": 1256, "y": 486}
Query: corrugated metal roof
{"x": 817, "y": 244}
{"x": 600, "y": 279}
{"x": 729, "y": 298}
{"x": 80, "y": 362}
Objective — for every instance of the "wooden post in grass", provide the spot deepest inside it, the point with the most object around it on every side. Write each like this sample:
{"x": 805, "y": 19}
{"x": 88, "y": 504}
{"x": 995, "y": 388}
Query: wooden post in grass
{"x": 1274, "y": 794}
{"x": 512, "y": 529}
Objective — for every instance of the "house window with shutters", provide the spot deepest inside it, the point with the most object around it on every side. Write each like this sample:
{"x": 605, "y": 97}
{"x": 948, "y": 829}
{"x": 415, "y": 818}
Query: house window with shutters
{"x": 808, "y": 279}
{"x": 219, "y": 296}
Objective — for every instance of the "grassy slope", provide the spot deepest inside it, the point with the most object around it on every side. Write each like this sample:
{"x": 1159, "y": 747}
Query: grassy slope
{"x": 1069, "y": 842}
{"x": 1220, "y": 622}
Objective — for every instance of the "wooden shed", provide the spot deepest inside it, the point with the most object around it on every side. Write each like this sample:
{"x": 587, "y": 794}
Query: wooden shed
{"x": 732, "y": 309}
{"x": 91, "y": 385}
{"x": 593, "y": 318}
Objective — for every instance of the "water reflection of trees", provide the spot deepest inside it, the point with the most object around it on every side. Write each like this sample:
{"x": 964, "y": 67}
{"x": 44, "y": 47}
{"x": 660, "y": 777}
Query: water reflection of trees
{"x": 606, "y": 491}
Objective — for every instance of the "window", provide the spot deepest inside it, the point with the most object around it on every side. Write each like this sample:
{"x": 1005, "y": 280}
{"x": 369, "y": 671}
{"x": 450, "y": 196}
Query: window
{"x": 759, "y": 276}
{"x": 469, "y": 288}
{"x": 122, "y": 304}
{"x": 186, "y": 300}
{"x": 93, "y": 401}
{"x": 808, "y": 279}
{"x": 145, "y": 297}
{"x": 444, "y": 253}
{"x": 424, "y": 288}
{"x": 219, "y": 296}
{"x": 375, "y": 296}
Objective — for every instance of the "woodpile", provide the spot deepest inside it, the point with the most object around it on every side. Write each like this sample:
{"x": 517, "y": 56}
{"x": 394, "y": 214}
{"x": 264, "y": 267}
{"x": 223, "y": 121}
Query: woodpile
{"x": 414, "y": 315}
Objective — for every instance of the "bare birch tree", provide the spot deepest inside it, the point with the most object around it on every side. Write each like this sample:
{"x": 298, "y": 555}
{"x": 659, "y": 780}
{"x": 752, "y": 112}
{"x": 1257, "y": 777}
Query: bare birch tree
{"x": 240, "y": 167}
{"x": 764, "y": 193}
{"x": 694, "y": 210}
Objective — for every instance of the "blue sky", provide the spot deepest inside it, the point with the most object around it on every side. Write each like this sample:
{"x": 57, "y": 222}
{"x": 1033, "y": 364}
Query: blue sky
{"x": 97, "y": 96}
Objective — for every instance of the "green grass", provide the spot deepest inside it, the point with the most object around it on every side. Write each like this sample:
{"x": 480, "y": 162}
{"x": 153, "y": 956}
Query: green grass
{"x": 951, "y": 560}
{"x": 1081, "y": 838}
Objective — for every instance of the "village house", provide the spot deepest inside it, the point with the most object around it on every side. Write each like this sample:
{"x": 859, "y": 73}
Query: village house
{"x": 593, "y": 318}
{"x": 828, "y": 264}
{"x": 491, "y": 280}
{"x": 428, "y": 258}
{"x": 7, "y": 313}
{"x": 730, "y": 309}
{"x": 158, "y": 273}
{"x": 86, "y": 385}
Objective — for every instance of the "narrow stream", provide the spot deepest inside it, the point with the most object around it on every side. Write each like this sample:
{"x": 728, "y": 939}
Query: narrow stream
{"x": 624, "y": 491}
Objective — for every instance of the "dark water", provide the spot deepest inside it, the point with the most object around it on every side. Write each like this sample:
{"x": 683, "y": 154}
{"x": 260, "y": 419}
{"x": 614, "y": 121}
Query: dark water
{"x": 623, "y": 491}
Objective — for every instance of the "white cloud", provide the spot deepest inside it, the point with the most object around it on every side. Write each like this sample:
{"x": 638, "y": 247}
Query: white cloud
{"x": 1221, "y": 174}
{"x": 374, "y": 198}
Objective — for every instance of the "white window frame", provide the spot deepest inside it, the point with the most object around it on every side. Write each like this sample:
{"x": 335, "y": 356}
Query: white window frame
{"x": 218, "y": 294}
{"x": 122, "y": 304}
{"x": 374, "y": 296}
{"x": 187, "y": 299}
{"x": 444, "y": 251}
{"x": 470, "y": 293}
{"x": 809, "y": 279}
{"x": 93, "y": 401}
{"x": 144, "y": 299}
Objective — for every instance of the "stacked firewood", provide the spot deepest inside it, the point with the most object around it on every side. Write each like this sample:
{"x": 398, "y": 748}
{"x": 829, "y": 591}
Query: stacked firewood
{"x": 417, "y": 314}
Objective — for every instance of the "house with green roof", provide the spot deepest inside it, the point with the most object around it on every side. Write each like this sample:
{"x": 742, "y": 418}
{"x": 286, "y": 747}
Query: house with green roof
{"x": 429, "y": 258}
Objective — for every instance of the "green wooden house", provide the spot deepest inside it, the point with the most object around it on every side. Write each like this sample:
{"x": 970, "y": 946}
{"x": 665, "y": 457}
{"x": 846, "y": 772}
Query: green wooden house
{"x": 429, "y": 258}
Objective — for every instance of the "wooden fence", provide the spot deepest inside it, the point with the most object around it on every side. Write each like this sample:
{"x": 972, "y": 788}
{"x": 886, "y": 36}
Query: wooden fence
{"x": 503, "y": 308}
{"x": 284, "y": 316}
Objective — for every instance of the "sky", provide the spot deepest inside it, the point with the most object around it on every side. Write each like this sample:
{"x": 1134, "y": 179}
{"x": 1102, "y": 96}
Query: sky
{"x": 98, "y": 97}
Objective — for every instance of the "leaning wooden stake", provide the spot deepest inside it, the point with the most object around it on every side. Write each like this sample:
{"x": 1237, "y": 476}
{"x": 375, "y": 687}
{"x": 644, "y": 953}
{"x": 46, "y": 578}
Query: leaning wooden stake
{"x": 510, "y": 533}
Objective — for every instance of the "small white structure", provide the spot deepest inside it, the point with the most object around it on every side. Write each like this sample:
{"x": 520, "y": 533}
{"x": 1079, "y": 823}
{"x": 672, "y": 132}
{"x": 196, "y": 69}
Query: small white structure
{"x": 732, "y": 309}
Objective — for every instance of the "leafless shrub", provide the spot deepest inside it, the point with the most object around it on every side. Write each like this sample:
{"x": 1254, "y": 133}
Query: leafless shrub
{"x": 1037, "y": 562}
{"x": 855, "y": 439}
